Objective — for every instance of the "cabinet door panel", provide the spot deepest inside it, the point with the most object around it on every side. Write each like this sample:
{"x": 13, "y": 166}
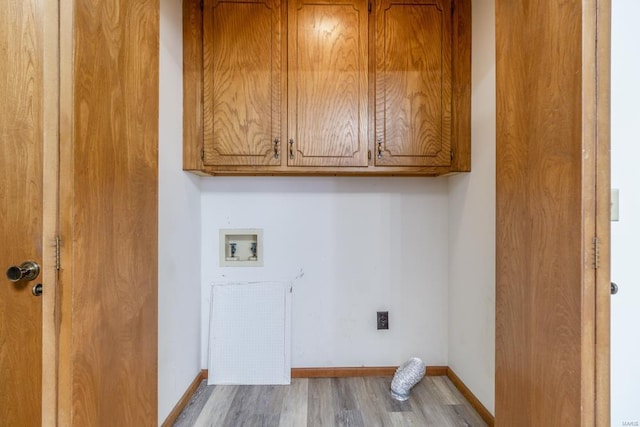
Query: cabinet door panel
{"x": 328, "y": 83}
{"x": 242, "y": 82}
{"x": 413, "y": 83}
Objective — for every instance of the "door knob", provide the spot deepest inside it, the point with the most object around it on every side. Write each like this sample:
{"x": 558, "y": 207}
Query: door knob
{"x": 28, "y": 270}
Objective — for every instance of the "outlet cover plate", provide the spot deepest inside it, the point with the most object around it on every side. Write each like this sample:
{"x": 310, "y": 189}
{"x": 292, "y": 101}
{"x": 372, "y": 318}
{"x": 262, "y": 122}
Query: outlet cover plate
{"x": 383, "y": 319}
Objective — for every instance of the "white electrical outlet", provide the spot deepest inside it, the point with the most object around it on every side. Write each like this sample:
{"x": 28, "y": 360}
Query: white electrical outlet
{"x": 615, "y": 208}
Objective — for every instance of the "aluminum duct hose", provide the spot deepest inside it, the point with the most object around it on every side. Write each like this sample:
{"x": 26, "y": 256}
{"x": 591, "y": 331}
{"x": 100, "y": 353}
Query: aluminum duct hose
{"x": 407, "y": 375}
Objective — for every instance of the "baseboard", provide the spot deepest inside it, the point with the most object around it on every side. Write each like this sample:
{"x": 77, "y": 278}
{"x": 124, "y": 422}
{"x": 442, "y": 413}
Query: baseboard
{"x": 358, "y": 371}
{"x": 471, "y": 398}
{"x": 184, "y": 400}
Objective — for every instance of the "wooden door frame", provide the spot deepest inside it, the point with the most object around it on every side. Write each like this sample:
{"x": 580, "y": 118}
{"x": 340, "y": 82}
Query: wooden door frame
{"x": 593, "y": 29}
{"x": 596, "y": 102}
{"x": 58, "y": 108}
{"x": 601, "y": 11}
{"x": 51, "y": 73}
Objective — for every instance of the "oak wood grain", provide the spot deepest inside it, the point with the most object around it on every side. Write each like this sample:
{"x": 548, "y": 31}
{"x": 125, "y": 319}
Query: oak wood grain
{"x": 110, "y": 280}
{"x": 603, "y": 210}
{"x": 51, "y": 208}
{"x": 413, "y": 83}
{"x": 328, "y": 83}
{"x": 193, "y": 77}
{"x": 326, "y": 125}
{"x": 545, "y": 293}
{"x": 242, "y": 82}
{"x": 461, "y": 87}
{"x": 21, "y": 211}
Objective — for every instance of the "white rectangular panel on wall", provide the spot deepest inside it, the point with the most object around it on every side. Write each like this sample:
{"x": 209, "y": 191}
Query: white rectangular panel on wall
{"x": 249, "y": 336}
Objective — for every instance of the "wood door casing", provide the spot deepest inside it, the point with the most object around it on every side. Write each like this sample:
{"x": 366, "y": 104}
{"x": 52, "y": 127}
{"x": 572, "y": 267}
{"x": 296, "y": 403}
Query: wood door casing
{"x": 413, "y": 83}
{"x": 21, "y": 211}
{"x": 548, "y": 284}
{"x": 109, "y": 213}
{"x": 328, "y": 83}
{"x": 243, "y": 82}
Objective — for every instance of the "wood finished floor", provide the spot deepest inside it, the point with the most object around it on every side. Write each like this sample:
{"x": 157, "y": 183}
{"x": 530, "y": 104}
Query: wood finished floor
{"x": 357, "y": 401}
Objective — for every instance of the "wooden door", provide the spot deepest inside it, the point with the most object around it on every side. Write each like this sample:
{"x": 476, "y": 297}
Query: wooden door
{"x": 552, "y": 233}
{"x": 413, "y": 83}
{"x": 21, "y": 211}
{"x": 328, "y": 83}
{"x": 108, "y": 293}
{"x": 28, "y": 209}
{"x": 243, "y": 83}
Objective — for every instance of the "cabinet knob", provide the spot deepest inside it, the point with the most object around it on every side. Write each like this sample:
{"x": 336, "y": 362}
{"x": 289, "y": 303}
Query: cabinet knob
{"x": 291, "y": 148}
{"x": 379, "y": 148}
{"x": 276, "y": 148}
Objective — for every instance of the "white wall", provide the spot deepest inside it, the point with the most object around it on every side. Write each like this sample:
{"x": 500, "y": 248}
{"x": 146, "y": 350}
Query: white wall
{"x": 364, "y": 244}
{"x": 625, "y": 234}
{"x": 179, "y": 229}
{"x": 472, "y": 226}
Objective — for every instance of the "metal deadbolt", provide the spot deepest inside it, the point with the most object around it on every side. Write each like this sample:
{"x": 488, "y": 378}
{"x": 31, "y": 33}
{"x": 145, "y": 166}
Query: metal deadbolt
{"x": 614, "y": 288}
{"x": 28, "y": 270}
{"x": 37, "y": 290}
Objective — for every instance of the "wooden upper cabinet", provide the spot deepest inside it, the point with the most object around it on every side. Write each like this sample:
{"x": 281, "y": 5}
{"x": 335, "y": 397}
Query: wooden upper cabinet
{"x": 413, "y": 83}
{"x": 328, "y": 83}
{"x": 243, "y": 82}
{"x": 380, "y": 87}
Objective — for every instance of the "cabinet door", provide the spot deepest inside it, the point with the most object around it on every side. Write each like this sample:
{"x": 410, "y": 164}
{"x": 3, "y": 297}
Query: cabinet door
{"x": 242, "y": 82}
{"x": 327, "y": 83}
{"x": 413, "y": 83}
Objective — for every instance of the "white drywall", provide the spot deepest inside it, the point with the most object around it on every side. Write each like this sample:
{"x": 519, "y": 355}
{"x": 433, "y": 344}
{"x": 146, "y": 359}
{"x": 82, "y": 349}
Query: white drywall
{"x": 179, "y": 229}
{"x": 472, "y": 226}
{"x": 625, "y": 234}
{"x": 364, "y": 245}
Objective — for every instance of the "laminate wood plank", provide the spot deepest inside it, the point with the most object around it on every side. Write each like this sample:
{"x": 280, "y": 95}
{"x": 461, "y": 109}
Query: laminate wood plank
{"x": 320, "y": 403}
{"x": 241, "y": 409}
{"x": 195, "y": 406}
{"x": 404, "y": 419}
{"x": 294, "y": 404}
{"x": 343, "y": 396}
{"x": 349, "y": 417}
{"x": 217, "y": 406}
{"x": 370, "y": 402}
{"x": 269, "y": 403}
{"x": 464, "y": 415}
{"x": 435, "y": 392}
{"x": 345, "y": 403}
{"x": 364, "y": 401}
{"x": 383, "y": 386}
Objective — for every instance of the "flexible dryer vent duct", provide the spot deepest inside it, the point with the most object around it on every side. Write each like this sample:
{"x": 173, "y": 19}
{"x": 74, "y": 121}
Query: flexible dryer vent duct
{"x": 407, "y": 375}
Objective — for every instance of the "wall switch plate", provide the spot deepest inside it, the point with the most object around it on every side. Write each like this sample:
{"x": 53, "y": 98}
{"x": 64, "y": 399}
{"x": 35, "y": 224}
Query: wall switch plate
{"x": 383, "y": 319}
{"x": 241, "y": 248}
{"x": 615, "y": 208}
